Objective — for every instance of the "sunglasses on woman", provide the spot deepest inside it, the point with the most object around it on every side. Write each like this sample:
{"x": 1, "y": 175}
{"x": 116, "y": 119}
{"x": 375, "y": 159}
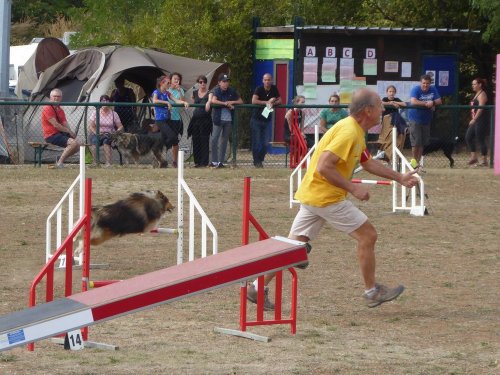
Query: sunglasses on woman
{"x": 200, "y": 82}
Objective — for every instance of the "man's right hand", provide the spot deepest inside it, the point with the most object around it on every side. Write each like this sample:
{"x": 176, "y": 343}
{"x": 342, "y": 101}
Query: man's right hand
{"x": 360, "y": 192}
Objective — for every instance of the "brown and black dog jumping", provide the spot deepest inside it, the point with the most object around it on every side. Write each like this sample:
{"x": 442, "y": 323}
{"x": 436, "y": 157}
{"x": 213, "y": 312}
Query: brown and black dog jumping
{"x": 138, "y": 213}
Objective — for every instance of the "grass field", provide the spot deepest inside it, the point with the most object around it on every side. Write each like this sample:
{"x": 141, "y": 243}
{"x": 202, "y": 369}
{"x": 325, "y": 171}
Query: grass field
{"x": 446, "y": 322}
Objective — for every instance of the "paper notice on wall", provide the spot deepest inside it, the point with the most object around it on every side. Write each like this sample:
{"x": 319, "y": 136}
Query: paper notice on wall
{"x": 391, "y": 66}
{"x": 444, "y": 78}
{"x": 329, "y": 70}
{"x": 370, "y": 67}
{"x": 310, "y": 70}
{"x": 406, "y": 69}
{"x": 345, "y": 91}
{"x": 346, "y": 68}
{"x": 358, "y": 83}
{"x": 310, "y": 77}
{"x": 309, "y": 90}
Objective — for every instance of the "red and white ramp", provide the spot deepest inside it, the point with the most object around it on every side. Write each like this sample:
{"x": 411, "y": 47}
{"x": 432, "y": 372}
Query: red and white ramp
{"x": 148, "y": 290}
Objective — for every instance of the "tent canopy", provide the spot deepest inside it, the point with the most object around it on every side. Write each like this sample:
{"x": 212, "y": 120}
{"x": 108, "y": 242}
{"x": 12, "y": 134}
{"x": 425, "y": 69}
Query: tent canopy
{"x": 97, "y": 68}
{"x": 89, "y": 73}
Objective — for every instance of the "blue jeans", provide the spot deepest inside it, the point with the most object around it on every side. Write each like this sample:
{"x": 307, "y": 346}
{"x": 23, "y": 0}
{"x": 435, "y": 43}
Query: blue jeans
{"x": 259, "y": 139}
{"x": 221, "y": 131}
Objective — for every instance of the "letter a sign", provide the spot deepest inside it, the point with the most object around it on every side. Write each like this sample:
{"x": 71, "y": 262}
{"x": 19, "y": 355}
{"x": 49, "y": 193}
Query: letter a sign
{"x": 310, "y": 51}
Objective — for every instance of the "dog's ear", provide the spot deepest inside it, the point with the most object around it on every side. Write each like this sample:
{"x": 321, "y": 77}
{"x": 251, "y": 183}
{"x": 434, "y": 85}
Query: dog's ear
{"x": 162, "y": 198}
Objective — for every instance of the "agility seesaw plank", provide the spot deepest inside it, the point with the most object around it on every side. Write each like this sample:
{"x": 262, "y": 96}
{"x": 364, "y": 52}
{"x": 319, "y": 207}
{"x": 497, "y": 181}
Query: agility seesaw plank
{"x": 148, "y": 290}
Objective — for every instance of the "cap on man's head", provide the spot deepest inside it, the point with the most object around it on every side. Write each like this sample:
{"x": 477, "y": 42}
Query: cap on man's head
{"x": 224, "y": 77}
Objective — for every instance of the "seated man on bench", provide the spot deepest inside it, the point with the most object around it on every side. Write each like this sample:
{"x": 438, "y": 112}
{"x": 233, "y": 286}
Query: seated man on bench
{"x": 56, "y": 130}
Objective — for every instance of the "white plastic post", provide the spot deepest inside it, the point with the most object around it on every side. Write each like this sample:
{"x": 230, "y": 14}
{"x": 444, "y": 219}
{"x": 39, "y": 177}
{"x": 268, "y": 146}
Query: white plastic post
{"x": 194, "y": 207}
{"x": 58, "y": 211}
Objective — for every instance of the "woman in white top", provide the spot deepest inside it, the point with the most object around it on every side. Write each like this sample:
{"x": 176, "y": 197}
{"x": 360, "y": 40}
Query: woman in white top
{"x": 109, "y": 122}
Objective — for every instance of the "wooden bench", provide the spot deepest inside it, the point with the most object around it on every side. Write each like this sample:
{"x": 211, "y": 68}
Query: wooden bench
{"x": 40, "y": 147}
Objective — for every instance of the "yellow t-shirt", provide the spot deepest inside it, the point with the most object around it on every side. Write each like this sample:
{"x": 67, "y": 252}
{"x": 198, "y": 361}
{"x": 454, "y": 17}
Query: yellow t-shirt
{"x": 346, "y": 140}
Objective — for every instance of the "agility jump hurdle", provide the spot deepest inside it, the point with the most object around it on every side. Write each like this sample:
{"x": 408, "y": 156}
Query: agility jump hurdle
{"x": 400, "y": 194}
{"x": 148, "y": 290}
{"x": 68, "y": 202}
{"x": 62, "y": 253}
{"x": 248, "y": 219}
{"x": 206, "y": 224}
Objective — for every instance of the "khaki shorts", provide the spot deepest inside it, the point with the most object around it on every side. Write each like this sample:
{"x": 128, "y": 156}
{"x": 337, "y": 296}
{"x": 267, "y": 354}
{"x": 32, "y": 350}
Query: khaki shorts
{"x": 343, "y": 216}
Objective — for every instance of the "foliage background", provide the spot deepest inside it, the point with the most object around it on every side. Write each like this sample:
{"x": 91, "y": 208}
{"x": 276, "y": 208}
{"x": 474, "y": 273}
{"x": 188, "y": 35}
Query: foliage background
{"x": 222, "y": 31}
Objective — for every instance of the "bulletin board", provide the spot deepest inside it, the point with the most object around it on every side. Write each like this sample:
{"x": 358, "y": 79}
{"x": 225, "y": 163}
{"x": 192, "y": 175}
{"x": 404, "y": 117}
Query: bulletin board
{"x": 333, "y": 63}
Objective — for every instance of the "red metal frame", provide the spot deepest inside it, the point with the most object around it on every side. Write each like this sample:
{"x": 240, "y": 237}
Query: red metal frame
{"x": 260, "y": 320}
{"x": 66, "y": 247}
{"x": 298, "y": 145}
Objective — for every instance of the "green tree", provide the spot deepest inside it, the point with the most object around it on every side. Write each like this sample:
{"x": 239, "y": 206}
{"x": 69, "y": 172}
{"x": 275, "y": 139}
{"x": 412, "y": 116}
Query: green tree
{"x": 42, "y": 11}
{"x": 222, "y": 31}
{"x": 490, "y": 11}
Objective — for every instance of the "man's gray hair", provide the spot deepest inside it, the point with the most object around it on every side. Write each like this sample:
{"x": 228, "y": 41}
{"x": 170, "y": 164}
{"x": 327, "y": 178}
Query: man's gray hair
{"x": 55, "y": 91}
{"x": 361, "y": 99}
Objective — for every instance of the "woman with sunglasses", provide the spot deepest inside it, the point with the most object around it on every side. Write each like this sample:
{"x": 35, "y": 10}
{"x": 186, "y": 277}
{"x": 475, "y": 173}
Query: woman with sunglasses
{"x": 200, "y": 126}
{"x": 109, "y": 123}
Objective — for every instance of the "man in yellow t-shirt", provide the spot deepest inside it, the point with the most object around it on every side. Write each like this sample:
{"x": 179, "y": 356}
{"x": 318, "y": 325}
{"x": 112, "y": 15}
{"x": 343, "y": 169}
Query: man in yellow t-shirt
{"x": 324, "y": 188}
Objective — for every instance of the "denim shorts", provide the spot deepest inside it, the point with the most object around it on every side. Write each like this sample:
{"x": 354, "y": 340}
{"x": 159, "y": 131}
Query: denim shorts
{"x": 58, "y": 139}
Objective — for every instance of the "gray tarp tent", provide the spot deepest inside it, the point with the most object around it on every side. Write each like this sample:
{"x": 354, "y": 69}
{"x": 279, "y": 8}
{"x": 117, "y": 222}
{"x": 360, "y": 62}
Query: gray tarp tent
{"x": 89, "y": 73}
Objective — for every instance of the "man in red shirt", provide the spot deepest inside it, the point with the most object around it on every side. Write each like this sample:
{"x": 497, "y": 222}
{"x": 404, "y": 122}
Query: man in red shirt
{"x": 56, "y": 129}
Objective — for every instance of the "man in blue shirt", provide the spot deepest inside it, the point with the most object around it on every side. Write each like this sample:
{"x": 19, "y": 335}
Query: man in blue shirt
{"x": 427, "y": 97}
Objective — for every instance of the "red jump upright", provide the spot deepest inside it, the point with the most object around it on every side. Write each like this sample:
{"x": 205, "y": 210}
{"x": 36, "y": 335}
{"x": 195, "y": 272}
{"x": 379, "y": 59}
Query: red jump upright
{"x": 260, "y": 319}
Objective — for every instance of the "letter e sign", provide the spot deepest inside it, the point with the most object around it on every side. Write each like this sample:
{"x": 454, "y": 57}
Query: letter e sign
{"x": 370, "y": 53}
{"x": 310, "y": 51}
{"x": 347, "y": 53}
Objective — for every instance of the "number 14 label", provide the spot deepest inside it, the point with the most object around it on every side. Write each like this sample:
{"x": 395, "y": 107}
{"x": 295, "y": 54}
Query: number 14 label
{"x": 75, "y": 340}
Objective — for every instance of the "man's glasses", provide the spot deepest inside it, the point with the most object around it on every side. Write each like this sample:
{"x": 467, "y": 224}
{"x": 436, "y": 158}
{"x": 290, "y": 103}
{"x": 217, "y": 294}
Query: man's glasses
{"x": 200, "y": 82}
{"x": 104, "y": 101}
